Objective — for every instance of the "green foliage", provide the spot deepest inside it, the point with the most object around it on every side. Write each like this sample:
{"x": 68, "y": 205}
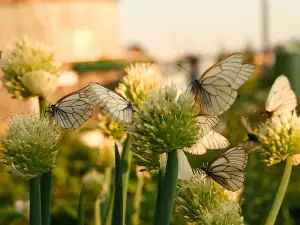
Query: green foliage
{"x": 101, "y": 65}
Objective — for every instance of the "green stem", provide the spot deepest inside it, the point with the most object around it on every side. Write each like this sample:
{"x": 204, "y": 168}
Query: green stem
{"x": 159, "y": 197}
{"x": 97, "y": 210}
{"x": 35, "y": 201}
{"x": 135, "y": 218}
{"x": 43, "y": 104}
{"x": 109, "y": 212}
{"x": 45, "y": 181}
{"x": 117, "y": 218}
{"x": 80, "y": 215}
{"x": 169, "y": 190}
{"x": 280, "y": 192}
{"x": 126, "y": 160}
{"x": 45, "y": 184}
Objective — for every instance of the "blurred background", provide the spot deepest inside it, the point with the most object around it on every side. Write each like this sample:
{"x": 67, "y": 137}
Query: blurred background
{"x": 96, "y": 39}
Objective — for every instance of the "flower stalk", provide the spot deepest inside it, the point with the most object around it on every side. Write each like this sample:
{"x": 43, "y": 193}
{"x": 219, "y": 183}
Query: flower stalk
{"x": 280, "y": 192}
{"x": 160, "y": 189}
{"x": 169, "y": 190}
{"x": 35, "y": 201}
{"x": 97, "y": 211}
{"x": 46, "y": 189}
{"x": 45, "y": 181}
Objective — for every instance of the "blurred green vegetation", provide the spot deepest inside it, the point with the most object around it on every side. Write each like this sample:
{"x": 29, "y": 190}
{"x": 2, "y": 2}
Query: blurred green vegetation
{"x": 100, "y": 65}
{"x": 76, "y": 158}
{"x": 103, "y": 65}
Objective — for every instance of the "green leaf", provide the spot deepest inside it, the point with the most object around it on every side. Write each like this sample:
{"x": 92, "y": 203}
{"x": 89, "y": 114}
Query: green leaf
{"x": 118, "y": 202}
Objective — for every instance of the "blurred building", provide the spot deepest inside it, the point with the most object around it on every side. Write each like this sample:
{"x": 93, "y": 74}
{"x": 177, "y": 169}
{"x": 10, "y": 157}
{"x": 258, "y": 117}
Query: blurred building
{"x": 78, "y": 31}
{"x": 75, "y": 30}
{"x": 136, "y": 53}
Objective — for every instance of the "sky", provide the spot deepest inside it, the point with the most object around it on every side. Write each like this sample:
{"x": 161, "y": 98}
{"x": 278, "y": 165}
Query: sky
{"x": 167, "y": 28}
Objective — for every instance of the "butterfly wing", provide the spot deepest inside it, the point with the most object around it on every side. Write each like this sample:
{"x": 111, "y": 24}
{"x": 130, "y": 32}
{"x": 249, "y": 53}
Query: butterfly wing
{"x": 185, "y": 171}
{"x": 207, "y": 123}
{"x": 216, "y": 90}
{"x": 228, "y": 169}
{"x": 110, "y": 103}
{"x": 212, "y": 140}
{"x": 73, "y": 110}
{"x": 281, "y": 99}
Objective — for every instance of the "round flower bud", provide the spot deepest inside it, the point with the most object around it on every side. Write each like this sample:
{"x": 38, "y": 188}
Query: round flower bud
{"x": 165, "y": 122}
{"x": 25, "y": 57}
{"x": 279, "y": 138}
{"x": 203, "y": 201}
{"x": 40, "y": 83}
{"x": 29, "y": 144}
{"x": 93, "y": 184}
{"x": 141, "y": 79}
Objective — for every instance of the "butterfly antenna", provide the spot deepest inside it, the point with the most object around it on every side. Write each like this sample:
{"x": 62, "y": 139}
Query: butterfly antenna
{"x": 137, "y": 85}
{"x": 184, "y": 68}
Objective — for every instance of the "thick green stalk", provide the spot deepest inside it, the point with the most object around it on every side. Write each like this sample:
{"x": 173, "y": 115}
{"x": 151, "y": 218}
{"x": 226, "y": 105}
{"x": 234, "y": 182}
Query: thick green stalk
{"x": 43, "y": 104}
{"x": 46, "y": 187}
{"x": 164, "y": 215}
{"x": 80, "y": 215}
{"x": 126, "y": 160}
{"x": 280, "y": 192}
{"x": 35, "y": 201}
{"x": 159, "y": 197}
{"x": 117, "y": 218}
{"x": 135, "y": 218}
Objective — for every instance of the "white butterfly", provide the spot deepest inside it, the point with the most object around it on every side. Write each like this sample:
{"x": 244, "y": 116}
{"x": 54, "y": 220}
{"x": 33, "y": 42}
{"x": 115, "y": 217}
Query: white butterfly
{"x": 185, "y": 171}
{"x": 110, "y": 103}
{"x": 228, "y": 168}
{"x": 281, "y": 100}
{"x": 216, "y": 89}
{"x": 72, "y": 110}
{"x": 212, "y": 140}
{"x": 206, "y": 123}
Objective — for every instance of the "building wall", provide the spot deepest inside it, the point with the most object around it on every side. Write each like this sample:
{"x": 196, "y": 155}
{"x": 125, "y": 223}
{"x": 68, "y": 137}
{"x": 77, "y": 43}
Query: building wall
{"x": 76, "y": 30}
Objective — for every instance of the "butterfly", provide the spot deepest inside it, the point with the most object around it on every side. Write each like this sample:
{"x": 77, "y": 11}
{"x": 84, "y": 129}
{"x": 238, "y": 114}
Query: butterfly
{"x": 185, "y": 171}
{"x": 110, "y": 103}
{"x": 206, "y": 123}
{"x": 212, "y": 140}
{"x": 228, "y": 168}
{"x": 209, "y": 139}
{"x": 72, "y": 110}
{"x": 216, "y": 89}
{"x": 281, "y": 100}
